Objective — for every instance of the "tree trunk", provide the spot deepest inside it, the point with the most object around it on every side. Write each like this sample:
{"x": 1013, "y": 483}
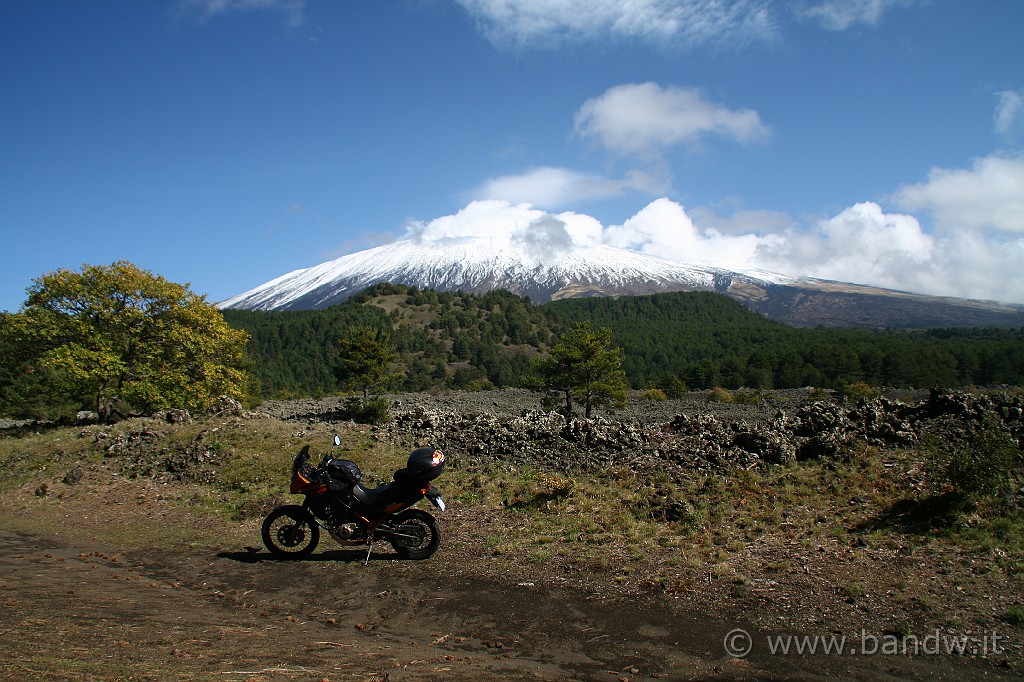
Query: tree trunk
{"x": 102, "y": 408}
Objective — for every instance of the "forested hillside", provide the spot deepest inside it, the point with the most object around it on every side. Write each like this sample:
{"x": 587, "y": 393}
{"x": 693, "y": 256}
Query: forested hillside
{"x": 446, "y": 339}
{"x": 672, "y": 341}
{"x": 708, "y": 340}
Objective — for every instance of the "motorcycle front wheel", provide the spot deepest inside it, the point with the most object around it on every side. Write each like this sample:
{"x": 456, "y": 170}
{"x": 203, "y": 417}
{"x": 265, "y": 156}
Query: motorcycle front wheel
{"x": 417, "y": 534}
{"x": 290, "y": 532}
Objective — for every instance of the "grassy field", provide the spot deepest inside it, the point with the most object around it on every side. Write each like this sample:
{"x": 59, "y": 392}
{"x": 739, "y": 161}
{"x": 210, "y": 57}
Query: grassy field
{"x": 869, "y": 528}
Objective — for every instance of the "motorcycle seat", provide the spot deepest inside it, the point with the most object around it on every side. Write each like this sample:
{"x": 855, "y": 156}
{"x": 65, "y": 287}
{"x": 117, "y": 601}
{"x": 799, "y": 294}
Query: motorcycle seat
{"x": 369, "y": 496}
{"x": 396, "y": 491}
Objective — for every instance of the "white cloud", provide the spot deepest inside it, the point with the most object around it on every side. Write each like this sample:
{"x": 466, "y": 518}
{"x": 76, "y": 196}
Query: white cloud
{"x": 208, "y": 9}
{"x": 865, "y": 245}
{"x": 663, "y": 229}
{"x": 505, "y": 223}
{"x": 839, "y": 15}
{"x": 862, "y": 244}
{"x": 976, "y": 265}
{"x": 743, "y": 221}
{"x": 687, "y": 23}
{"x": 488, "y": 218}
{"x": 645, "y": 119}
{"x": 989, "y": 195}
{"x": 1009, "y": 114}
{"x": 551, "y": 188}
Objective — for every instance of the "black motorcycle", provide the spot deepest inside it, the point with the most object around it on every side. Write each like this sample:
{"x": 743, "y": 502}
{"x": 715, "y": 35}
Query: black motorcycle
{"x": 336, "y": 500}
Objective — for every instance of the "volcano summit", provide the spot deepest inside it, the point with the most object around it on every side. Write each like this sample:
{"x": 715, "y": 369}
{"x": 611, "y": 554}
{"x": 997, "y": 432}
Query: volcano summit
{"x": 545, "y": 271}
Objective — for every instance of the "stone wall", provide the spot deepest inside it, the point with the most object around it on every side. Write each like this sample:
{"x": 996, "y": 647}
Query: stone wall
{"x": 702, "y": 440}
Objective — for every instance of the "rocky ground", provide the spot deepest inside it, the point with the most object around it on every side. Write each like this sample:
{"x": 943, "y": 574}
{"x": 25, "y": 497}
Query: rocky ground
{"x": 683, "y": 435}
{"x": 109, "y": 574}
{"x": 515, "y": 402}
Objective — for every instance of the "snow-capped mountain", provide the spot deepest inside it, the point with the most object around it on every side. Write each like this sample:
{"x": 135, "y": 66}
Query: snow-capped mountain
{"x": 480, "y": 265}
{"x": 544, "y": 273}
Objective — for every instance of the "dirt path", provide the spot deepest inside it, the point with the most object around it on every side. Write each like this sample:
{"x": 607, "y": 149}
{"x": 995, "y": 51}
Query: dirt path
{"x": 94, "y": 612}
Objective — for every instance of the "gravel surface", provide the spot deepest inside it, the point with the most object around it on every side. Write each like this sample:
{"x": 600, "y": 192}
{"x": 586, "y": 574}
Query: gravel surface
{"x": 515, "y": 401}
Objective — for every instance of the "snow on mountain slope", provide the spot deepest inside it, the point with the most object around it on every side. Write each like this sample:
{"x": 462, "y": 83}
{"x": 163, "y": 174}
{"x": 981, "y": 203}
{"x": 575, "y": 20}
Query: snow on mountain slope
{"x": 545, "y": 271}
{"x": 478, "y": 264}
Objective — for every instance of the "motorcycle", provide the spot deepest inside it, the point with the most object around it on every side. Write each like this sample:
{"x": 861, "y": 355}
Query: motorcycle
{"x": 337, "y": 501}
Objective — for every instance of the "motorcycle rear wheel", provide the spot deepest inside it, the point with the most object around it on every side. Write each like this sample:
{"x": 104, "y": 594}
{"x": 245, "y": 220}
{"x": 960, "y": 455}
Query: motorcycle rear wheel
{"x": 290, "y": 532}
{"x": 423, "y": 531}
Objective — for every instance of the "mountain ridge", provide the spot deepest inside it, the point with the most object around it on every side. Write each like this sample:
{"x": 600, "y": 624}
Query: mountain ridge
{"x": 544, "y": 273}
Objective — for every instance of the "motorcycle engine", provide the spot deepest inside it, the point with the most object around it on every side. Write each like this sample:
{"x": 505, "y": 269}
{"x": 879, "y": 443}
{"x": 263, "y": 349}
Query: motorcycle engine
{"x": 344, "y": 532}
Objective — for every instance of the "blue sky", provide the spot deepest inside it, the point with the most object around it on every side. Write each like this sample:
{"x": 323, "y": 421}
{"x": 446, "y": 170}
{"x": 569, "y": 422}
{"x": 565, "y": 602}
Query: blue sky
{"x": 225, "y": 142}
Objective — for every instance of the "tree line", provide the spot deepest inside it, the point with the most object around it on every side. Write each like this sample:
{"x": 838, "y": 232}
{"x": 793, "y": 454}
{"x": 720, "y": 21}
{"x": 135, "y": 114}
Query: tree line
{"x": 673, "y": 341}
{"x": 705, "y": 340}
{"x": 121, "y": 340}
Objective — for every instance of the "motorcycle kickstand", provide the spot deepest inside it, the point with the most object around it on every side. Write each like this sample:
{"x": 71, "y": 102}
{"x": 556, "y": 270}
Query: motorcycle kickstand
{"x": 369, "y": 550}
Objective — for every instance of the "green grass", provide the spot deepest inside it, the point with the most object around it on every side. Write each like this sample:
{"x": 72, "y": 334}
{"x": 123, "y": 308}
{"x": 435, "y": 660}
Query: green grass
{"x": 240, "y": 469}
{"x": 1014, "y": 616}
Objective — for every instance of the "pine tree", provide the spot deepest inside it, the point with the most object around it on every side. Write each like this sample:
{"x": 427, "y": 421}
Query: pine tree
{"x": 583, "y": 367}
{"x": 366, "y": 361}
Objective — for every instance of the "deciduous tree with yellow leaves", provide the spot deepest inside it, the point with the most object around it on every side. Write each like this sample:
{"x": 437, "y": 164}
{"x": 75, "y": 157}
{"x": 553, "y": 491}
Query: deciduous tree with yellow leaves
{"x": 130, "y": 341}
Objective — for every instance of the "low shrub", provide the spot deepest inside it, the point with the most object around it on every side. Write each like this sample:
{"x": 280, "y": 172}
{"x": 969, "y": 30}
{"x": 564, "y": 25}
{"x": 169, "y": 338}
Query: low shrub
{"x": 976, "y": 469}
{"x": 374, "y": 411}
{"x": 721, "y": 395}
{"x": 859, "y": 390}
{"x": 748, "y": 397}
{"x": 819, "y": 394}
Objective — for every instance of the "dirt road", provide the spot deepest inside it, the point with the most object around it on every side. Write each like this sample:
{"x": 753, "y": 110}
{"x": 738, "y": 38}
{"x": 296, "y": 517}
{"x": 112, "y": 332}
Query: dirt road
{"x": 96, "y": 612}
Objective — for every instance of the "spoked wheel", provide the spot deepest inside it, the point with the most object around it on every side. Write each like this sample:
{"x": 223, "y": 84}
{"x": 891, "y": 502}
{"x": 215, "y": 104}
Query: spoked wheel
{"x": 417, "y": 534}
{"x": 290, "y": 532}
